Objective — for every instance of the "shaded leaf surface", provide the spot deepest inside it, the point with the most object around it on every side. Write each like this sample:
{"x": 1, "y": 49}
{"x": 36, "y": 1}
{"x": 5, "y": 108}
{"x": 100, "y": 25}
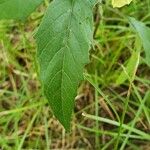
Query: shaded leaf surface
{"x": 144, "y": 33}
{"x": 17, "y": 9}
{"x": 64, "y": 39}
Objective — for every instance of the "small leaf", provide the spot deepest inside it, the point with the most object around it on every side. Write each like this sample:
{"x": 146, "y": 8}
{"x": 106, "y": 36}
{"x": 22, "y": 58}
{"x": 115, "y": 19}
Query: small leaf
{"x": 144, "y": 34}
{"x": 17, "y": 9}
{"x": 130, "y": 68}
{"x": 120, "y": 3}
{"x": 64, "y": 39}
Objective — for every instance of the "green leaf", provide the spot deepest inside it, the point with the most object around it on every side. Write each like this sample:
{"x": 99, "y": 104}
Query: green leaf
{"x": 17, "y": 9}
{"x": 64, "y": 39}
{"x": 130, "y": 68}
{"x": 144, "y": 34}
{"x": 120, "y": 3}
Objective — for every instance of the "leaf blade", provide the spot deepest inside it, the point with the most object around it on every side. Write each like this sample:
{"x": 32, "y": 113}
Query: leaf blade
{"x": 144, "y": 34}
{"x": 17, "y": 9}
{"x": 120, "y": 3}
{"x": 63, "y": 51}
{"x": 130, "y": 68}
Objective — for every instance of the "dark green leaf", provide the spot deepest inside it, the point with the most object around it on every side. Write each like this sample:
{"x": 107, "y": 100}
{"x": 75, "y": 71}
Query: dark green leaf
{"x": 17, "y": 9}
{"x": 64, "y": 39}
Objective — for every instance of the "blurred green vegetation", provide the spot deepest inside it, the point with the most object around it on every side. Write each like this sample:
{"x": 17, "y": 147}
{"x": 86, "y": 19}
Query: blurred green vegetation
{"x": 112, "y": 107}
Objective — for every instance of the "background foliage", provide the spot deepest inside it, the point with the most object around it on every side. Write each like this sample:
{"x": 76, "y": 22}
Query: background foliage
{"x": 116, "y": 89}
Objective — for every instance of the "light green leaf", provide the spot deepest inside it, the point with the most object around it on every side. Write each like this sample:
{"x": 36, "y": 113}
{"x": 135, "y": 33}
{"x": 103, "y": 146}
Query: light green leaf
{"x": 144, "y": 34}
{"x": 120, "y": 3}
{"x": 130, "y": 68}
{"x": 64, "y": 39}
{"x": 17, "y": 9}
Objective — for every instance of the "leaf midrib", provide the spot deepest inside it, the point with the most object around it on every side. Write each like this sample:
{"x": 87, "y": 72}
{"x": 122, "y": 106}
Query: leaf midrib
{"x": 65, "y": 45}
